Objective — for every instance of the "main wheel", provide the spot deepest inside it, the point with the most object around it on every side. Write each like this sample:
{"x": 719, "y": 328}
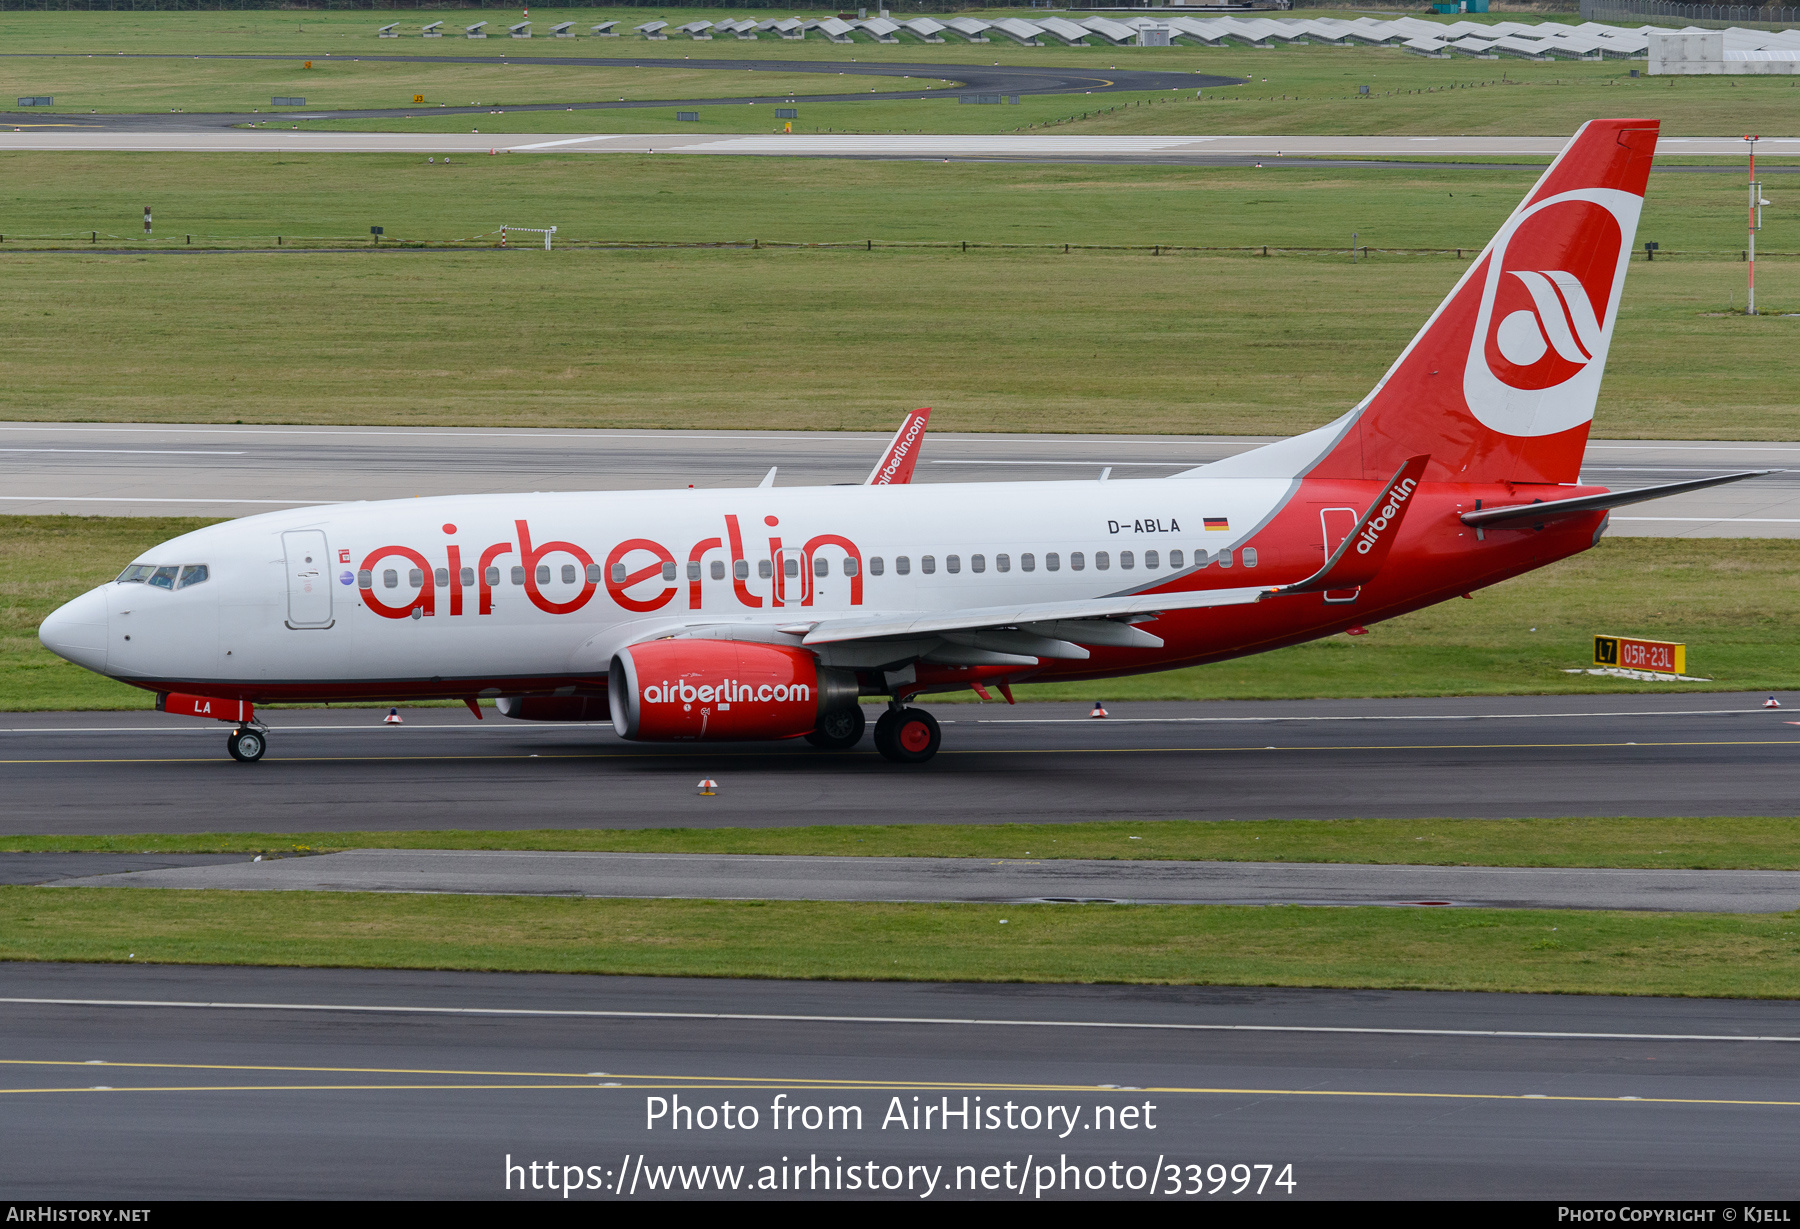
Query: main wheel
{"x": 246, "y": 746}
{"x": 910, "y": 736}
{"x": 839, "y": 730}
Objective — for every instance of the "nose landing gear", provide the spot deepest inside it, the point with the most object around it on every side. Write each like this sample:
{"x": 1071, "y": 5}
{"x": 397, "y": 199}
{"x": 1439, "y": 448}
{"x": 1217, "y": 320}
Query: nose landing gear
{"x": 907, "y": 735}
{"x": 247, "y": 744}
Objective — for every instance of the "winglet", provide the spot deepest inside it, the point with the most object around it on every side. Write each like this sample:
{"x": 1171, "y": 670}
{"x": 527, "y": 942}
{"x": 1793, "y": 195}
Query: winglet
{"x": 1360, "y": 555}
{"x": 896, "y": 465}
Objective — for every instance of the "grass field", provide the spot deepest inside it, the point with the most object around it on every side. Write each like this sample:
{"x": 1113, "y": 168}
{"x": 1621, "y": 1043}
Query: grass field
{"x": 1741, "y": 956}
{"x": 1661, "y": 844}
{"x": 1288, "y": 90}
{"x": 1732, "y": 601}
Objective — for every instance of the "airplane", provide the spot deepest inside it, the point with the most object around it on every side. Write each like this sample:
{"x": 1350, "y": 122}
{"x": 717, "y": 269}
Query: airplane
{"x": 766, "y": 612}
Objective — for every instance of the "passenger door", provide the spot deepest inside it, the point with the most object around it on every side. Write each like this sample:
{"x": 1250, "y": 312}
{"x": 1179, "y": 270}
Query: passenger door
{"x": 1337, "y": 524}
{"x": 308, "y": 579}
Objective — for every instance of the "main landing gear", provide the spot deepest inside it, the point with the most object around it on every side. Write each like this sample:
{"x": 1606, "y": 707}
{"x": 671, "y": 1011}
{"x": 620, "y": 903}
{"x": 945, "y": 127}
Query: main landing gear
{"x": 247, "y": 744}
{"x": 907, "y": 735}
{"x": 839, "y": 730}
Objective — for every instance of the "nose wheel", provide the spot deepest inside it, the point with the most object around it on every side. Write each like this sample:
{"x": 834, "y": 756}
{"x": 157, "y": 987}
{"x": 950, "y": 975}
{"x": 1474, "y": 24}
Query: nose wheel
{"x": 907, "y": 735}
{"x": 247, "y": 745}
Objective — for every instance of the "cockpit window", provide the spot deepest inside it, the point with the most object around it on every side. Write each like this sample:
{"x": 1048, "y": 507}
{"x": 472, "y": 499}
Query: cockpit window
{"x": 136, "y": 574}
{"x": 192, "y": 574}
{"x": 163, "y": 578}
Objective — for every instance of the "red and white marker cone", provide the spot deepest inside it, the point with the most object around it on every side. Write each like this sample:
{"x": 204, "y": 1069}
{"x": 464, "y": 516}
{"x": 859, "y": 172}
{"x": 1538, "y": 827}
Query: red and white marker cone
{"x": 708, "y": 788}
{"x": 1771, "y": 702}
{"x": 393, "y": 718}
{"x": 1099, "y": 710}
{"x": 1356, "y": 631}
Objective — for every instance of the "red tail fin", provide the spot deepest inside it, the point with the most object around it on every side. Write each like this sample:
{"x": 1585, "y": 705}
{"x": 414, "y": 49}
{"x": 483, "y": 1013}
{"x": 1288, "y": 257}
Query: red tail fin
{"x": 1500, "y": 384}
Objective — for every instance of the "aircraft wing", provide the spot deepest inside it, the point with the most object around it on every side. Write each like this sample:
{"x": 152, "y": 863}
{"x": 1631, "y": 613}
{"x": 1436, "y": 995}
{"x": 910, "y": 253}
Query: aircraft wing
{"x": 896, "y": 465}
{"x": 931, "y": 623}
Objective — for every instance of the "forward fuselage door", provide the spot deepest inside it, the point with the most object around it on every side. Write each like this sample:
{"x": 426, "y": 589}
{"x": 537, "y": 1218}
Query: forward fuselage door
{"x": 308, "y": 579}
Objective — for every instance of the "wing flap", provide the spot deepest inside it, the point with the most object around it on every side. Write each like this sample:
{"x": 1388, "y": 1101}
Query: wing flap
{"x": 873, "y": 627}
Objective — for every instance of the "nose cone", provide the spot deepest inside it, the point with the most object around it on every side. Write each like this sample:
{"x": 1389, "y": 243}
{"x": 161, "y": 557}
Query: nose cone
{"x": 77, "y": 630}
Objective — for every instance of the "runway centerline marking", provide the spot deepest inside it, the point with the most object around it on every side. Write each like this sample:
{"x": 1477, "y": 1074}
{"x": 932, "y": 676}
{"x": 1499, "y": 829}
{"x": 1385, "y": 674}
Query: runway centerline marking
{"x": 675, "y": 757}
{"x": 935, "y": 1021}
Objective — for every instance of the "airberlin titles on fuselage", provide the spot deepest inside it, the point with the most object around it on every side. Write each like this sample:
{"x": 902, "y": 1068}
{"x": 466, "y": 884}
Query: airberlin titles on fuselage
{"x": 628, "y": 565}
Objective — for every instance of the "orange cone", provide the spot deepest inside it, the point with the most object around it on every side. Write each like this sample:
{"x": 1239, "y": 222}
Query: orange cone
{"x": 1099, "y": 710}
{"x": 708, "y": 788}
{"x": 393, "y": 717}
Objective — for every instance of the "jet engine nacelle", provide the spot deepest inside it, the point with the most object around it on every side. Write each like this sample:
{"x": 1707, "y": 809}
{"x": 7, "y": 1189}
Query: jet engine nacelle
{"x": 721, "y": 690}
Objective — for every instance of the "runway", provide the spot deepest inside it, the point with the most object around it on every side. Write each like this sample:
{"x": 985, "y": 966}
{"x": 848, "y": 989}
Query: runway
{"x": 138, "y": 470}
{"x": 954, "y": 880}
{"x": 63, "y": 134}
{"x": 146, "y": 1082}
{"x": 1462, "y": 757}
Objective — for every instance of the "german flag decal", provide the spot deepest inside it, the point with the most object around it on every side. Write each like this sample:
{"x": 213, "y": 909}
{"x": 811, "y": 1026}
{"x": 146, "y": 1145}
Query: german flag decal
{"x": 1218, "y": 522}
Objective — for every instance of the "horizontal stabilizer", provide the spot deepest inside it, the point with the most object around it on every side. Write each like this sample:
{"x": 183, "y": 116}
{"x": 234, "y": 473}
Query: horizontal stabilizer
{"x": 1549, "y": 510}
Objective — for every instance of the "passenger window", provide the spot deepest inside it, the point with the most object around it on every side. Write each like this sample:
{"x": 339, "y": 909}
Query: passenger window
{"x": 568, "y": 572}
{"x": 1150, "y": 559}
{"x": 850, "y": 568}
{"x": 1077, "y": 561}
{"x": 468, "y": 577}
{"x": 718, "y": 569}
{"x": 928, "y": 564}
{"x": 192, "y": 574}
{"x": 593, "y": 573}
{"x": 1052, "y": 561}
{"x": 764, "y": 568}
{"x": 136, "y": 574}
{"x": 1200, "y": 560}
{"x": 1249, "y": 556}
{"x": 618, "y": 573}
{"x": 543, "y": 573}
{"x": 366, "y": 579}
{"x": 952, "y": 563}
{"x": 163, "y": 578}
{"x": 492, "y": 576}
{"x": 1002, "y": 563}
{"x": 1224, "y": 558}
{"x": 443, "y": 576}
{"x": 876, "y": 566}
{"x": 1125, "y": 561}
{"x": 416, "y": 578}
{"x": 740, "y": 568}
{"x": 822, "y": 566}
{"x": 518, "y": 575}
{"x": 790, "y": 566}
{"x": 1028, "y": 562}
{"x": 390, "y": 579}
{"x": 977, "y": 563}
{"x": 693, "y": 569}
{"x": 1102, "y": 561}
{"x": 1175, "y": 559}
{"x": 902, "y": 565}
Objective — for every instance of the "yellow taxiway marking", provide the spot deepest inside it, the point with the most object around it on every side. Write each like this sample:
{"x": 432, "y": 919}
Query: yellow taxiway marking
{"x": 642, "y": 755}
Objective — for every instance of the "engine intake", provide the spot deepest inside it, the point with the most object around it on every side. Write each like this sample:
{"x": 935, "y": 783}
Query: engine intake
{"x": 721, "y": 690}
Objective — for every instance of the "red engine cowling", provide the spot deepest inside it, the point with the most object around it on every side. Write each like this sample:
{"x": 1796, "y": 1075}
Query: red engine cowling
{"x": 721, "y": 690}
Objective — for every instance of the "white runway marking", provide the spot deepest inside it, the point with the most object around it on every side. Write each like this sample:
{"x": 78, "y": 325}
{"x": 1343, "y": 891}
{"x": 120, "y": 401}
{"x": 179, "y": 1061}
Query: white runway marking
{"x": 134, "y": 452}
{"x": 936, "y": 1021}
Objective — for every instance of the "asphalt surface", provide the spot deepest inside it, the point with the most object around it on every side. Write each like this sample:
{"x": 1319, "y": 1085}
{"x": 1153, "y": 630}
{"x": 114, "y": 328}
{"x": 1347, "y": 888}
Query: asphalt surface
{"x": 965, "y": 880}
{"x": 137, "y": 470}
{"x": 965, "y": 78}
{"x": 69, "y": 134}
{"x": 380, "y": 1084}
{"x": 1467, "y": 757}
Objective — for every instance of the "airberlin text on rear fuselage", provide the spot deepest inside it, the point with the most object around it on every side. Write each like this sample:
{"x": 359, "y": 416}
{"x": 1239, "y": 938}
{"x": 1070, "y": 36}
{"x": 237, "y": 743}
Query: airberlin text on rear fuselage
{"x": 627, "y": 565}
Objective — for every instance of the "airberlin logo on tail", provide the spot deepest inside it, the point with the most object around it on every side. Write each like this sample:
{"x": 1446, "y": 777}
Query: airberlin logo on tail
{"x": 1549, "y": 292}
{"x": 1371, "y": 533}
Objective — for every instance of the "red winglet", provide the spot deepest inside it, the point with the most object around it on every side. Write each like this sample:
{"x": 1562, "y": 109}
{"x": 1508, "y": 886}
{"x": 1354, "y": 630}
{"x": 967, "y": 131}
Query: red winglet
{"x": 1360, "y": 555}
{"x": 896, "y": 465}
